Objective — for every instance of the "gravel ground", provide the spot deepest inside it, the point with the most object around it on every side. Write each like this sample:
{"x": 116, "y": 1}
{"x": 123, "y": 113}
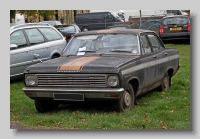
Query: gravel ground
{"x": 17, "y": 125}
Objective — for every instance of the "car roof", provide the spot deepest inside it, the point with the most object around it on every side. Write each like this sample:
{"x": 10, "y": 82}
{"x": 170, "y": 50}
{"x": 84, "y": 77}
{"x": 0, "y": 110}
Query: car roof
{"x": 25, "y": 27}
{"x": 171, "y": 16}
{"x": 28, "y": 25}
{"x": 64, "y": 25}
{"x": 114, "y": 31}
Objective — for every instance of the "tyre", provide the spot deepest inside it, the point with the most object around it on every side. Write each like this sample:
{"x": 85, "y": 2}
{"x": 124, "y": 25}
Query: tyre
{"x": 44, "y": 105}
{"x": 166, "y": 82}
{"x": 54, "y": 56}
{"x": 84, "y": 29}
{"x": 127, "y": 100}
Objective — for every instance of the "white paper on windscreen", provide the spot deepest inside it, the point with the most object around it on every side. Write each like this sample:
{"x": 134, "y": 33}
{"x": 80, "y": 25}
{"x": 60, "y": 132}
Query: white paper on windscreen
{"x": 81, "y": 49}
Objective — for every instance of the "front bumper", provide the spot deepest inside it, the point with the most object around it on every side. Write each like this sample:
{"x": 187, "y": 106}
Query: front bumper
{"x": 88, "y": 93}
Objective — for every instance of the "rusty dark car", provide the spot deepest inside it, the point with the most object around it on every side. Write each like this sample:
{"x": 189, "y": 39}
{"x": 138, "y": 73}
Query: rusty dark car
{"x": 116, "y": 65}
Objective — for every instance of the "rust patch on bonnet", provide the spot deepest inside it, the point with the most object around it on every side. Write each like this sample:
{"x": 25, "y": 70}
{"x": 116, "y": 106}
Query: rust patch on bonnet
{"x": 77, "y": 64}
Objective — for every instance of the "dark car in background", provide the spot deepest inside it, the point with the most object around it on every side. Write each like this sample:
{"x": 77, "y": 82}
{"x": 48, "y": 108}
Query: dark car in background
{"x": 119, "y": 26}
{"x": 52, "y": 22}
{"x": 175, "y": 27}
{"x": 68, "y": 30}
{"x": 115, "y": 65}
{"x": 96, "y": 20}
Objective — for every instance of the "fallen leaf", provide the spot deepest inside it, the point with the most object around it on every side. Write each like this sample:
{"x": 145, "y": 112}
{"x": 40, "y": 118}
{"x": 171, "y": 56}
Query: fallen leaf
{"x": 172, "y": 111}
{"x": 162, "y": 125}
{"x": 74, "y": 113}
{"x": 144, "y": 115}
{"x": 163, "y": 92}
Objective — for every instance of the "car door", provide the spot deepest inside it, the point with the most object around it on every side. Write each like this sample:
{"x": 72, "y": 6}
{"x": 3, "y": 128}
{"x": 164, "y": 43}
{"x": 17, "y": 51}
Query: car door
{"x": 20, "y": 57}
{"x": 149, "y": 62}
{"x": 160, "y": 55}
{"x": 109, "y": 19}
{"x": 38, "y": 44}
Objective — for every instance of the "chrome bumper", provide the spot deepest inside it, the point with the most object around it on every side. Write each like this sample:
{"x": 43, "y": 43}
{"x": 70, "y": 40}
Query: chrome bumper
{"x": 102, "y": 93}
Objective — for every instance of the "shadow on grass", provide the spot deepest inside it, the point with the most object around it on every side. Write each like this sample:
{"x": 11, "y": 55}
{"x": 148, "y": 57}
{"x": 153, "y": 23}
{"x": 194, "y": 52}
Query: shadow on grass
{"x": 88, "y": 106}
{"x": 176, "y": 42}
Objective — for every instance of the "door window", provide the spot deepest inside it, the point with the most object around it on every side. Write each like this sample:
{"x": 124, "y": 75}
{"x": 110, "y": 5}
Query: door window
{"x": 34, "y": 36}
{"x": 146, "y": 48}
{"x": 50, "y": 34}
{"x": 109, "y": 17}
{"x": 18, "y": 38}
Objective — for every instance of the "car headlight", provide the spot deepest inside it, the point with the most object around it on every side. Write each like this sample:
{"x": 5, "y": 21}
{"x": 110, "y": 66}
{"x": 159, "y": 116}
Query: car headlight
{"x": 30, "y": 79}
{"x": 113, "y": 81}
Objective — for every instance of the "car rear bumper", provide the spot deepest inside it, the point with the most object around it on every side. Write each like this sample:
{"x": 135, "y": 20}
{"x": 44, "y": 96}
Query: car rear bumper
{"x": 88, "y": 93}
{"x": 175, "y": 36}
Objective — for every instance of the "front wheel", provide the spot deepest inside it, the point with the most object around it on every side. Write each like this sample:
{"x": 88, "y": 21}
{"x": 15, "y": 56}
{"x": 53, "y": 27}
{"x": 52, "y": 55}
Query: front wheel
{"x": 45, "y": 105}
{"x": 126, "y": 102}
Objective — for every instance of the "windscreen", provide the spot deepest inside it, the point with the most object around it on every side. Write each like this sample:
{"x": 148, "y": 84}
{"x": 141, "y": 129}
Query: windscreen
{"x": 109, "y": 43}
{"x": 175, "y": 20}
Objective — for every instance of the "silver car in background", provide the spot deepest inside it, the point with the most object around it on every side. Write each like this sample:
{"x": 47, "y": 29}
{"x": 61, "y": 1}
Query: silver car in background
{"x": 27, "y": 40}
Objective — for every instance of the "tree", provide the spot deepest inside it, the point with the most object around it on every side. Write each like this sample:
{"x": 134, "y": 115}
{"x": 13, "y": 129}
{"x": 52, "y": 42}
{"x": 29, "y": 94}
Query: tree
{"x": 47, "y": 14}
{"x": 31, "y": 13}
{"x": 12, "y": 15}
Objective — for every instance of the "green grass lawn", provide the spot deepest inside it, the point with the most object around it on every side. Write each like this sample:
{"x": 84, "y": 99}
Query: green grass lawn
{"x": 155, "y": 110}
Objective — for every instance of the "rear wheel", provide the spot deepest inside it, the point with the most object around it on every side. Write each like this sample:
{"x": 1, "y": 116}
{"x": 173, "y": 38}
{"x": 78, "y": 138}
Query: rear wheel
{"x": 84, "y": 29}
{"x": 166, "y": 82}
{"x": 45, "y": 105}
{"x": 126, "y": 102}
{"x": 54, "y": 56}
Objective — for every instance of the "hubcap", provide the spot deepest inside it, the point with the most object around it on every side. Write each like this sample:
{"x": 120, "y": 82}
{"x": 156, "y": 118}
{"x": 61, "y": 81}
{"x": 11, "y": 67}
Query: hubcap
{"x": 165, "y": 82}
{"x": 127, "y": 98}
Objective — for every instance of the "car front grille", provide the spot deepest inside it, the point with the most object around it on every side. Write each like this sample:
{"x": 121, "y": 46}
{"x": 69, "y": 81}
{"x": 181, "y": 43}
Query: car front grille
{"x": 72, "y": 80}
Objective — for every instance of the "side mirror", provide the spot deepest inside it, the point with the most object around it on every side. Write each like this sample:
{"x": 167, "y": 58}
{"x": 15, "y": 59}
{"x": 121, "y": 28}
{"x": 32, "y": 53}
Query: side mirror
{"x": 36, "y": 56}
{"x": 13, "y": 46}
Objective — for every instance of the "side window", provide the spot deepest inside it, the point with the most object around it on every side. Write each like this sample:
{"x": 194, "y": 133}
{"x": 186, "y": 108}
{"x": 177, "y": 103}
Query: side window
{"x": 154, "y": 42}
{"x": 18, "y": 38}
{"x": 146, "y": 48}
{"x": 34, "y": 36}
{"x": 50, "y": 34}
{"x": 109, "y": 17}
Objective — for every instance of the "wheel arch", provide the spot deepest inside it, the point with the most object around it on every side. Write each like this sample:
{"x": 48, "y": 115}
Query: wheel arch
{"x": 55, "y": 54}
{"x": 85, "y": 27}
{"x": 170, "y": 71}
{"x": 134, "y": 83}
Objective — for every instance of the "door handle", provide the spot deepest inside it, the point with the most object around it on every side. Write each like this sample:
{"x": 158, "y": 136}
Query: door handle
{"x": 47, "y": 47}
{"x": 166, "y": 53}
{"x": 154, "y": 56}
{"x": 27, "y": 51}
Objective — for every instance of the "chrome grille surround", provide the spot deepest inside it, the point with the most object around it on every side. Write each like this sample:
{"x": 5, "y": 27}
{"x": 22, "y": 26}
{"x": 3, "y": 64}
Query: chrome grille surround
{"x": 72, "y": 80}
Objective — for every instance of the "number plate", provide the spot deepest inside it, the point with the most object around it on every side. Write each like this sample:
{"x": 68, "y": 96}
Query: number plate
{"x": 178, "y": 28}
{"x": 70, "y": 97}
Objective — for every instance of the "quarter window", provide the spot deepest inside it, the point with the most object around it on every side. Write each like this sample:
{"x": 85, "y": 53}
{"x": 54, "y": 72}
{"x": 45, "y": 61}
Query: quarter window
{"x": 18, "y": 38}
{"x": 50, "y": 34}
{"x": 34, "y": 36}
{"x": 154, "y": 42}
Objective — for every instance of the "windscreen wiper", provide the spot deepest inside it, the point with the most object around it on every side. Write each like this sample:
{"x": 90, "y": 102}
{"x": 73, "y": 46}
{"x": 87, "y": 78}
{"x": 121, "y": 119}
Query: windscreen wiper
{"x": 86, "y": 51}
{"x": 120, "y": 50}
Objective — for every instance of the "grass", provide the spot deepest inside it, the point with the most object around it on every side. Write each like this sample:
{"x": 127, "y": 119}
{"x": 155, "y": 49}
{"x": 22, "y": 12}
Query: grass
{"x": 155, "y": 110}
